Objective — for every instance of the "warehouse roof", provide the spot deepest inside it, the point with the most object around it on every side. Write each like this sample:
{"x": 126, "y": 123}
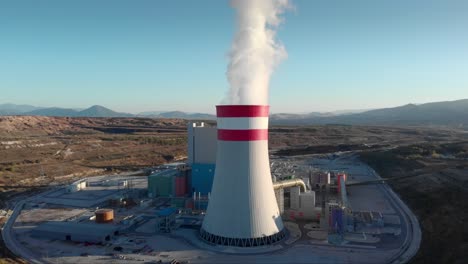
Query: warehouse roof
{"x": 74, "y": 228}
{"x": 165, "y": 173}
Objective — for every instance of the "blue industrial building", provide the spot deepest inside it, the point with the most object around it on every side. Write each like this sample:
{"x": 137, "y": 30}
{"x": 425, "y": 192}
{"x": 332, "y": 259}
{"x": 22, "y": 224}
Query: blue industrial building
{"x": 202, "y": 145}
{"x": 202, "y": 177}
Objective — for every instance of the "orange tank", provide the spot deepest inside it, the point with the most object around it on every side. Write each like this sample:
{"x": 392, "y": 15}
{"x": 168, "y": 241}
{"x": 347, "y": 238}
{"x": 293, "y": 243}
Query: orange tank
{"x": 104, "y": 215}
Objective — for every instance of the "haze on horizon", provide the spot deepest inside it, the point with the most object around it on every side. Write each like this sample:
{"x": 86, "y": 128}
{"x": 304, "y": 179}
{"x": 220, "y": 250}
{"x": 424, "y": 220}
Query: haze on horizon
{"x": 172, "y": 55}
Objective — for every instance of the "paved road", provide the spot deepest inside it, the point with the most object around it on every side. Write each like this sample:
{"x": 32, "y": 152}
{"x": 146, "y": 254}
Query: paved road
{"x": 12, "y": 243}
{"x": 413, "y": 231}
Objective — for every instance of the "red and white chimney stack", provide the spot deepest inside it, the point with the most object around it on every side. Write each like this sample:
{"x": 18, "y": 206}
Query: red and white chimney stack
{"x": 242, "y": 210}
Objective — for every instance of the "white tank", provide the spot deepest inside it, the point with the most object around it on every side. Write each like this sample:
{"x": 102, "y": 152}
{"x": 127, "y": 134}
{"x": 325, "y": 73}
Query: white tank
{"x": 242, "y": 210}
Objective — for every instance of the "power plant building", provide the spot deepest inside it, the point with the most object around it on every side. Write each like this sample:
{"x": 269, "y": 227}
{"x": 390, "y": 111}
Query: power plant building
{"x": 202, "y": 178}
{"x": 168, "y": 183}
{"x": 201, "y": 143}
{"x": 202, "y": 146}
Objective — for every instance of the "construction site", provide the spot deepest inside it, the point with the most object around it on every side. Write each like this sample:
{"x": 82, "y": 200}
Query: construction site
{"x": 327, "y": 210}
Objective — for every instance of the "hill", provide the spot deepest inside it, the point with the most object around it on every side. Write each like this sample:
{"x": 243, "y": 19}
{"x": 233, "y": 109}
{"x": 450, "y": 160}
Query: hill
{"x": 93, "y": 111}
{"x": 52, "y": 111}
{"x": 14, "y": 109}
{"x": 179, "y": 115}
{"x": 451, "y": 113}
{"x": 100, "y": 111}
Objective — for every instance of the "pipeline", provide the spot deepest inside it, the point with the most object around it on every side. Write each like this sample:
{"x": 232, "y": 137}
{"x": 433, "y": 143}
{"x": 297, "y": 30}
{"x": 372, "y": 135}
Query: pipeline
{"x": 289, "y": 183}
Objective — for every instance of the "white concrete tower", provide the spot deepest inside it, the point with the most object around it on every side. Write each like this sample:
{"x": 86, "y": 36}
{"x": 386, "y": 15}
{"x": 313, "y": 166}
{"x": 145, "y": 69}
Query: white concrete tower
{"x": 242, "y": 210}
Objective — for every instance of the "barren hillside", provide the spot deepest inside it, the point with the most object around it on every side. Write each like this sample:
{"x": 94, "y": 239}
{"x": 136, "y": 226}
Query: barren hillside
{"x": 434, "y": 184}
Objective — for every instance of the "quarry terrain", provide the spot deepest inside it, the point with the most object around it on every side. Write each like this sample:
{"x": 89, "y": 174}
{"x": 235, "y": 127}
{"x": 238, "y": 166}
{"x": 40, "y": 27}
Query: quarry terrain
{"x": 36, "y": 151}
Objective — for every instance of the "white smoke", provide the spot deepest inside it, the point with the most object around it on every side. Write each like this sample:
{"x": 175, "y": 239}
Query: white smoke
{"x": 255, "y": 52}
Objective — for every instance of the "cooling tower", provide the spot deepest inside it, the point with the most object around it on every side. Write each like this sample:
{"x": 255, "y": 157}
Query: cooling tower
{"x": 242, "y": 210}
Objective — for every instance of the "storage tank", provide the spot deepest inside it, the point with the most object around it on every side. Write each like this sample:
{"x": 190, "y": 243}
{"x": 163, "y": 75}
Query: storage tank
{"x": 104, "y": 216}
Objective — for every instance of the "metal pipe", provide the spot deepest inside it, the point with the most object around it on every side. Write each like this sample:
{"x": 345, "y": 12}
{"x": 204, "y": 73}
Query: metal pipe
{"x": 289, "y": 183}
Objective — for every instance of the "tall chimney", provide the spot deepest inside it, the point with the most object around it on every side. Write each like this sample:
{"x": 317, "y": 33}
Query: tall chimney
{"x": 242, "y": 210}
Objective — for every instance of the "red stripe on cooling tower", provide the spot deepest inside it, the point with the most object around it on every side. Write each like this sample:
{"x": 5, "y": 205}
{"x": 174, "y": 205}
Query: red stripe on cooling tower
{"x": 242, "y": 135}
{"x": 242, "y": 110}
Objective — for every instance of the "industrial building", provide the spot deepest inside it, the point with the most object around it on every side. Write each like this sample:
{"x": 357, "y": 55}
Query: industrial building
{"x": 202, "y": 177}
{"x": 301, "y": 201}
{"x": 369, "y": 219}
{"x": 202, "y": 146}
{"x": 201, "y": 143}
{"x": 178, "y": 181}
{"x": 172, "y": 182}
{"x": 76, "y": 232}
{"x": 77, "y": 186}
{"x": 196, "y": 176}
{"x": 166, "y": 220}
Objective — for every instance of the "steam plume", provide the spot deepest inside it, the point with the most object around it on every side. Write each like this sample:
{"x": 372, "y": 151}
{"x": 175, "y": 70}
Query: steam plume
{"x": 255, "y": 51}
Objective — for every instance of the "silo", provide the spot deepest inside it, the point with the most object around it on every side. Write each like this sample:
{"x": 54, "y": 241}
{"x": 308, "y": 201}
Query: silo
{"x": 242, "y": 210}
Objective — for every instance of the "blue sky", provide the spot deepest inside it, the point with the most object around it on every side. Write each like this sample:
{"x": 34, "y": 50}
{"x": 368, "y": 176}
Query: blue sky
{"x": 146, "y": 55}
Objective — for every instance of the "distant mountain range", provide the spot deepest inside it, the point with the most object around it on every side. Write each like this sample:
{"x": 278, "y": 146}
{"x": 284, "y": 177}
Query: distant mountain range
{"x": 453, "y": 113}
{"x": 13, "y": 109}
{"x": 93, "y": 111}
{"x": 177, "y": 114}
